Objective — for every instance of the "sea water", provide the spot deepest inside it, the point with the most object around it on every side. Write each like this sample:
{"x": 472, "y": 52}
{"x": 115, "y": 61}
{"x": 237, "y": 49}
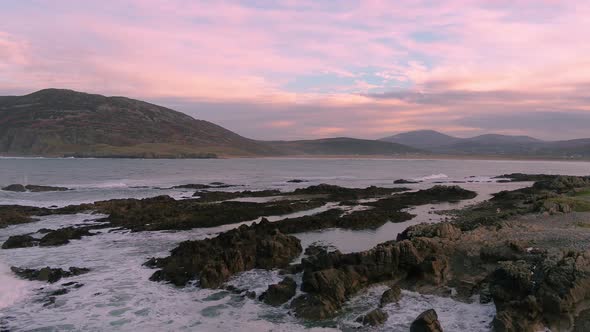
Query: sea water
{"x": 117, "y": 294}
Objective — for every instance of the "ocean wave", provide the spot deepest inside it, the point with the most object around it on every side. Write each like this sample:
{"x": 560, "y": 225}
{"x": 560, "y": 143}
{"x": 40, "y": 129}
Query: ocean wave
{"x": 431, "y": 177}
{"x": 12, "y": 289}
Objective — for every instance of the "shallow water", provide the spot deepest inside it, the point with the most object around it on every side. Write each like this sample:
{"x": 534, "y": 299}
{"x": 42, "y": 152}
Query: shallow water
{"x": 117, "y": 294}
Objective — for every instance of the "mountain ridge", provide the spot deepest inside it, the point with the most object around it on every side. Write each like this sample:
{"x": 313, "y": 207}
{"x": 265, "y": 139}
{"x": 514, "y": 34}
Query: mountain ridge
{"x": 492, "y": 144}
{"x": 64, "y": 123}
{"x": 60, "y": 122}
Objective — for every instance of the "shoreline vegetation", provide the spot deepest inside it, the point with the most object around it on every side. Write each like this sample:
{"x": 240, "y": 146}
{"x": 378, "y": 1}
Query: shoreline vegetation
{"x": 525, "y": 250}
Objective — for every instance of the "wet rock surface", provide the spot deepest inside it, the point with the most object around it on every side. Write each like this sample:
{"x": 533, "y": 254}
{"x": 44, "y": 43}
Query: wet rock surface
{"x": 373, "y": 318}
{"x": 392, "y": 295}
{"x": 280, "y": 293}
{"x": 213, "y": 261}
{"x": 163, "y": 212}
{"x": 32, "y": 188}
{"x": 56, "y": 237}
{"x": 48, "y": 274}
{"x": 215, "y": 196}
{"x": 507, "y": 250}
{"x": 20, "y": 241}
{"x": 64, "y": 235}
{"x": 426, "y": 322}
{"x": 404, "y": 181}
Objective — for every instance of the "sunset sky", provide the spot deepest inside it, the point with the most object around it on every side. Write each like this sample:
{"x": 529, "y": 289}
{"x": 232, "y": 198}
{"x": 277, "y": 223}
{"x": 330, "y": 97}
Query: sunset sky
{"x": 311, "y": 69}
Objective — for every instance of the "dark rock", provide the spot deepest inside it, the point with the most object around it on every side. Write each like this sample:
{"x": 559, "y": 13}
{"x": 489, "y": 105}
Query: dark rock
{"x": 15, "y": 188}
{"x": 404, "y": 181}
{"x": 164, "y": 212}
{"x": 192, "y": 186}
{"x": 426, "y": 322}
{"x": 279, "y": 293}
{"x": 338, "y": 193}
{"x": 393, "y": 294}
{"x": 214, "y": 260}
{"x": 60, "y": 291}
{"x": 35, "y": 188}
{"x": 548, "y": 292}
{"x": 215, "y": 196}
{"x": 48, "y": 274}
{"x": 251, "y": 294}
{"x": 314, "y": 307}
{"x": 20, "y": 241}
{"x": 296, "y": 181}
{"x": 317, "y": 248}
{"x": 63, "y": 236}
{"x": 373, "y": 318}
{"x": 441, "y": 230}
{"x": 32, "y": 188}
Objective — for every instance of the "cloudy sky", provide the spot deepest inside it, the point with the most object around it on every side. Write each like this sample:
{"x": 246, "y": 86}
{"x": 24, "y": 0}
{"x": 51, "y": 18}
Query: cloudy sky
{"x": 309, "y": 69}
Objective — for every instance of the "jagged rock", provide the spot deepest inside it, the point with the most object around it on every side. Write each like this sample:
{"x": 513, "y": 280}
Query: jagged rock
{"x": 314, "y": 307}
{"x": 549, "y": 292}
{"x": 214, "y": 260}
{"x": 279, "y": 293}
{"x": 555, "y": 207}
{"x": 426, "y": 322}
{"x": 443, "y": 230}
{"x": 317, "y": 248}
{"x": 63, "y": 236}
{"x": 373, "y": 318}
{"x": 562, "y": 183}
{"x": 20, "y": 241}
{"x": 48, "y": 274}
{"x": 393, "y": 294}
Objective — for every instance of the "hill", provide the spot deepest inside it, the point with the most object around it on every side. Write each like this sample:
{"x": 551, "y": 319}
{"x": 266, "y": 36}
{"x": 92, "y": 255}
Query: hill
{"x": 341, "y": 146}
{"x": 56, "y": 122}
{"x": 493, "y": 145}
{"x": 422, "y": 139}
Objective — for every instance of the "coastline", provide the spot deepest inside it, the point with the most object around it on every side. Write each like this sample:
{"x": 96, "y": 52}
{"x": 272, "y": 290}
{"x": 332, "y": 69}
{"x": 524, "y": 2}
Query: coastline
{"x": 323, "y": 156}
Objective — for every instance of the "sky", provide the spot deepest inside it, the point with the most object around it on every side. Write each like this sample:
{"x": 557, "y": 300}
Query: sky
{"x": 300, "y": 69}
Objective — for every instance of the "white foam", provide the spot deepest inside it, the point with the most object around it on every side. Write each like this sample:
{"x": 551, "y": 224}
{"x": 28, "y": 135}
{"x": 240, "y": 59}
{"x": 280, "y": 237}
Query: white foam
{"x": 12, "y": 289}
{"x": 431, "y": 177}
{"x": 452, "y": 314}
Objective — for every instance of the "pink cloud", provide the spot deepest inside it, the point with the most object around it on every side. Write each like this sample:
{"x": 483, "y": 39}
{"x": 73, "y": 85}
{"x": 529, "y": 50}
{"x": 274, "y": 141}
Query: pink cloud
{"x": 231, "y": 53}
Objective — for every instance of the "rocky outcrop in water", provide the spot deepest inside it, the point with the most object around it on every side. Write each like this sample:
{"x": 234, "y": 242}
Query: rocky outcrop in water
{"x": 426, "y": 322}
{"x": 280, "y": 293}
{"x": 20, "y": 241}
{"x": 331, "y": 279}
{"x": 56, "y": 237}
{"x": 213, "y": 261}
{"x": 48, "y": 274}
{"x": 392, "y": 295}
{"x": 32, "y": 188}
{"x": 63, "y": 236}
{"x": 373, "y": 318}
{"x": 215, "y": 196}
{"x": 404, "y": 181}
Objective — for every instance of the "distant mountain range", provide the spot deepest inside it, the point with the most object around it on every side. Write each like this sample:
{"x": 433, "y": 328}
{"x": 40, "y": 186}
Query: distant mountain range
{"x": 341, "y": 146}
{"x": 492, "y": 144}
{"x": 62, "y": 123}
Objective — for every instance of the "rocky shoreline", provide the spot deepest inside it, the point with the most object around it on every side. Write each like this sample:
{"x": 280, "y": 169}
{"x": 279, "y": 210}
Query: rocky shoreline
{"x": 512, "y": 250}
